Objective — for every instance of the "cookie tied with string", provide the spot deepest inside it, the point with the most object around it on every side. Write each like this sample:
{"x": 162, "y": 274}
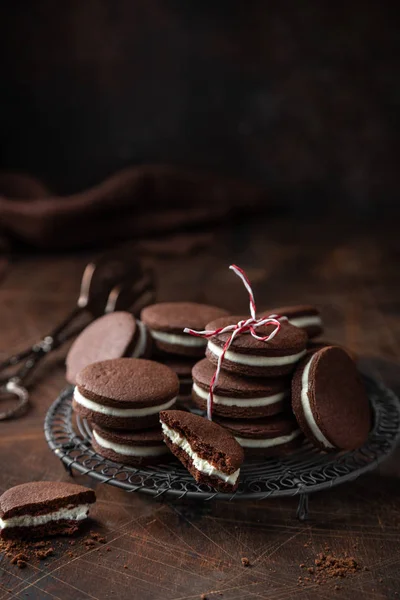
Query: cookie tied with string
{"x": 251, "y": 357}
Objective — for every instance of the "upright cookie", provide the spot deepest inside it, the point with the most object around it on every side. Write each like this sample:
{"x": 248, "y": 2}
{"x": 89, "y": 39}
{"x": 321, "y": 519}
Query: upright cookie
{"x": 305, "y": 316}
{"x": 113, "y": 335}
{"x": 274, "y": 436}
{"x": 167, "y": 320}
{"x": 125, "y": 393}
{"x": 237, "y": 397}
{"x": 136, "y": 448}
{"x": 254, "y": 358}
{"x": 42, "y": 508}
{"x": 209, "y": 452}
{"x": 329, "y": 400}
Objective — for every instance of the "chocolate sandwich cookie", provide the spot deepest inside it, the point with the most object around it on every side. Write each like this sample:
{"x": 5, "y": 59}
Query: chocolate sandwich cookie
{"x": 253, "y": 358}
{"x": 113, "y": 335}
{"x": 237, "y": 397}
{"x": 305, "y": 316}
{"x": 42, "y": 508}
{"x": 209, "y": 452}
{"x": 136, "y": 448}
{"x": 329, "y": 400}
{"x": 274, "y": 436}
{"x": 125, "y": 393}
{"x": 167, "y": 320}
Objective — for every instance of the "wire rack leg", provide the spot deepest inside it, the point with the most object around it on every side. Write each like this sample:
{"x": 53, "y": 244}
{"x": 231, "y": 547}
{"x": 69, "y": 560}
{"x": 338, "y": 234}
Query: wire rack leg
{"x": 302, "y": 508}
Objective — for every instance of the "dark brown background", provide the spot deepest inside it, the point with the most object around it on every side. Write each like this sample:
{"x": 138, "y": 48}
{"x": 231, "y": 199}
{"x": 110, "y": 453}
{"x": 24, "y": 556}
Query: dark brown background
{"x": 301, "y": 97}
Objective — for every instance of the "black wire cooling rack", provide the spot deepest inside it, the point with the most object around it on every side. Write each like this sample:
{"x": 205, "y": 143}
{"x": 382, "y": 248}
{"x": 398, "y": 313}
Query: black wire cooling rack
{"x": 299, "y": 474}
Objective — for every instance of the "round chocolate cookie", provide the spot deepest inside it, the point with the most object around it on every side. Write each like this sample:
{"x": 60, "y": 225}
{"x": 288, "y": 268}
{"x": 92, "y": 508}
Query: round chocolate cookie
{"x": 136, "y": 448}
{"x": 125, "y": 393}
{"x": 314, "y": 346}
{"x": 237, "y": 397}
{"x": 209, "y": 452}
{"x": 329, "y": 400}
{"x": 274, "y": 436}
{"x": 113, "y": 335}
{"x": 305, "y": 316}
{"x": 254, "y": 358}
{"x": 167, "y": 320}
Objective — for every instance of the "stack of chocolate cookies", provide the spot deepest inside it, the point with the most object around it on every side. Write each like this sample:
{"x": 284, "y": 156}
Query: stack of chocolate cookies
{"x": 252, "y": 398}
{"x": 122, "y": 399}
{"x": 165, "y": 323}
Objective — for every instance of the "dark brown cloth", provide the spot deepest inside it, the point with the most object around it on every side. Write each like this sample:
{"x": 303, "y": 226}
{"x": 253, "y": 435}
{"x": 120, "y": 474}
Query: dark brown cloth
{"x": 138, "y": 201}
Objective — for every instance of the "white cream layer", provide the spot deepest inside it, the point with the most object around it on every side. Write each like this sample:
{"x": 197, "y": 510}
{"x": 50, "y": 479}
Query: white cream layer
{"x": 255, "y": 361}
{"x": 307, "y": 321}
{"x": 178, "y": 340}
{"x": 130, "y": 450}
{"x": 142, "y": 340}
{"x": 307, "y": 411}
{"x": 120, "y": 412}
{"x": 277, "y": 441}
{"x": 77, "y": 513}
{"x": 242, "y": 402}
{"x": 200, "y": 464}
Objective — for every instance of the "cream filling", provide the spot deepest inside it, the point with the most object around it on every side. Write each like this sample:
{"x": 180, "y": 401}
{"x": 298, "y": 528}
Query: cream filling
{"x": 120, "y": 412}
{"x": 306, "y": 321}
{"x": 242, "y": 402}
{"x": 142, "y": 340}
{"x": 305, "y": 402}
{"x": 77, "y": 513}
{"x": 178, "y": 340}
{"x": 255, "y": 361}
{"x": 200, "y": 464}
{"x": 130, "y": 450}
{"x": 259, "y": 443}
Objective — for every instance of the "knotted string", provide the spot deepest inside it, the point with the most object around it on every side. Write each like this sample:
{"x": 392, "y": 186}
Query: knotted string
{"x": 244, "y": 326}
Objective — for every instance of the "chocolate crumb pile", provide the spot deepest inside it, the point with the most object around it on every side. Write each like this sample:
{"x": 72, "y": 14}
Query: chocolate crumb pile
{"x": 245, "y": 562}
{"x": 22, "y": 552}
{"x": 328, "y": 566}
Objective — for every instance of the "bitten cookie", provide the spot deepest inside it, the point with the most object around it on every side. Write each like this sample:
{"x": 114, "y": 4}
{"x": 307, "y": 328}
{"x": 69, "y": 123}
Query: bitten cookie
{"x": 274, "y": 436}
{"x": 305, "y": 316}
{"x": 137, "y": 448}
{"x": 254, "y": 358}
{"x": 113, "y": 335}
{"x": 167, "y": 320}
{"x": 237, "y": 397}
{"x": 125, "y": 393}
{"x": 209, "y": 452}
{"x": 329, "y": 400}
{"x": 42, "y": 508}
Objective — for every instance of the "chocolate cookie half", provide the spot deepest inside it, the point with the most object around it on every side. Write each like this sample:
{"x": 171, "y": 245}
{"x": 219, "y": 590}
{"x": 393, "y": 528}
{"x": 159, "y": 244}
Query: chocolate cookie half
{"x": 254, "y": 358}
{"x": 305, "y": 316}
{"x": 239, "y": 397}
{"x": 209, "y": 452}
{"x": 167, "y": 320}
{"x": 125, "y": 393}
{"x": 42, "y": 508}
{"x": 329, "y": 400}
{"x": 137, "y": 448}
{"x": 265, "y": 437}
{"x": 113, "y": 335}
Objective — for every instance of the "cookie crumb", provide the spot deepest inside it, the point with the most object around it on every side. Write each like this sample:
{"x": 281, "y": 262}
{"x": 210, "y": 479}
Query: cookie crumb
{"x": 21, "y": 557}
{"x": 125, "y": 566}
{"x": 43, "y": 554}
{"x": 203, "y": 597}
{"x": 21, "y": 564}
{"x": 245, "y": 561}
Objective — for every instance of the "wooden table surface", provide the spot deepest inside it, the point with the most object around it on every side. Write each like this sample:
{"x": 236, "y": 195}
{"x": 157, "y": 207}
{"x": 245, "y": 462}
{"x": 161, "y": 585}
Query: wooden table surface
{"x": 181, "y": 550}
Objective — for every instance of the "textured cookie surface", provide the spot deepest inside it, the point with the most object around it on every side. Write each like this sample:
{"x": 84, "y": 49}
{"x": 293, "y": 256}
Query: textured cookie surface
{"x": 175, "y": 316}
{"x": 305, "y": 316}
{"x": 111, "y": 336}
{"x": 40, "y": 497}
{"x": 128, "y": 382}
{"x": 330, "y": 401}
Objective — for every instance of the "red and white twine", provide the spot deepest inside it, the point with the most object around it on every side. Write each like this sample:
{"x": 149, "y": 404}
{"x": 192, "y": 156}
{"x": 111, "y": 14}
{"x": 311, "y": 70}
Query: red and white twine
{"x": 245, "y": 326}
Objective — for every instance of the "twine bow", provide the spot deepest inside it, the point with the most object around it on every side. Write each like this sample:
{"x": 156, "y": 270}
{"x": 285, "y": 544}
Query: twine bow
{"x": 245, "y": 326}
